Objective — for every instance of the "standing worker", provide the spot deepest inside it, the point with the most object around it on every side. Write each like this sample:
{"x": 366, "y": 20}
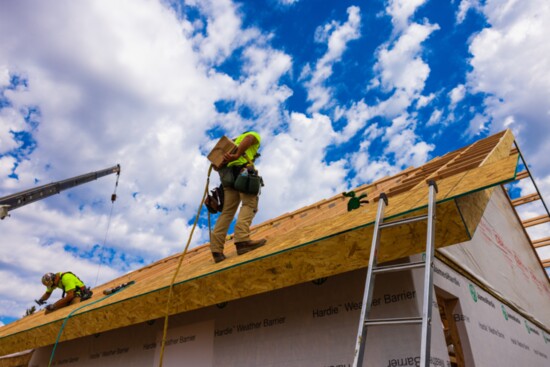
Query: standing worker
{"x": 247, "y": 143}
{"x": 73, "y": 289}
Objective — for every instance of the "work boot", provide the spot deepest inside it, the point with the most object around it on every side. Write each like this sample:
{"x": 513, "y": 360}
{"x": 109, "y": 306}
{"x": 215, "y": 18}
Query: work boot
{"x": 247, "y": 246}
{"x": 218, "y": 257}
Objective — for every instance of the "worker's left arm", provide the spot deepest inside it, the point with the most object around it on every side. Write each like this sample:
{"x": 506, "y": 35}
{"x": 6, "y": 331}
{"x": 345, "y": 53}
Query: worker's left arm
{"x": 246, "y": 143}
{"x": 62, "y": 302}
{"x": 44, "y": 298}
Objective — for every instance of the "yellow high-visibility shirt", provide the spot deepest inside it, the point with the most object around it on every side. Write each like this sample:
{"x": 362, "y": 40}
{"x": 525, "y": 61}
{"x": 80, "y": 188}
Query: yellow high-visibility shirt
{"x": 250, "y": 152}
{"x": 68, "y": 282}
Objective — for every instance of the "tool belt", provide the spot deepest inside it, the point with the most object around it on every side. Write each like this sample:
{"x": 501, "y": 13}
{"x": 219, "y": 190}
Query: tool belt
{"x": 248, "y": 181}
{"x": 241, "y": 178}
{"x": 228, "y": 175}
{"x": 214, "y": 201}
{"x": 84, "y": 292}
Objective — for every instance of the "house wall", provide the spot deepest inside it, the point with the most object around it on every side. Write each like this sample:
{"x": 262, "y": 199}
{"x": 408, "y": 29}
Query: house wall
{"x": 491, "y": 333}
{"x": 501, "y": 256}
{"x": 315, "y": 325}
{"x": 306, "y": 325}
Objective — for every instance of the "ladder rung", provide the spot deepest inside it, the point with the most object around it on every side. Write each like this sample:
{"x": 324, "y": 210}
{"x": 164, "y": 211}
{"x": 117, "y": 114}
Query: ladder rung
{"x": 398, "y": 267}
{"x": 395, "y": 321}
{"x": 403, "y": 221}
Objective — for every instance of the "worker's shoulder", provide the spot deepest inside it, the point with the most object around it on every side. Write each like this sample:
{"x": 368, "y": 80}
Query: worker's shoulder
{"x": 253, "y": 133}
{"x": 69, "y": 275}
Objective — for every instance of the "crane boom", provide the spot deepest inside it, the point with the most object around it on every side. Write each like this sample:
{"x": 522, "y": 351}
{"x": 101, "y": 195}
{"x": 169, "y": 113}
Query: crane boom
{"x": 14, "y": 201}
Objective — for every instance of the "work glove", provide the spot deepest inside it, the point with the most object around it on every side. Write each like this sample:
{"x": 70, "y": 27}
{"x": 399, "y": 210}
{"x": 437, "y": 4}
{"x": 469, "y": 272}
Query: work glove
{"x": 40, "y": 302}
{"x": 49, "y": 308}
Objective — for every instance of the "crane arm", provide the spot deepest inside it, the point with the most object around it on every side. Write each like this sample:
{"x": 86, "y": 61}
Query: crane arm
{"x": 14, "y": 201}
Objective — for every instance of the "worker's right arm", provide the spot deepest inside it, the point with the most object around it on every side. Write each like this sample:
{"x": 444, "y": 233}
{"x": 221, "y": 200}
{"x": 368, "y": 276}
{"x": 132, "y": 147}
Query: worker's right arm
{"x": 246, "y": 143}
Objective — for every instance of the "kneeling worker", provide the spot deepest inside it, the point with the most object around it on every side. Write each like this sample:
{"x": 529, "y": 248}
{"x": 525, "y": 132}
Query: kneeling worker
{"x": 73, "y": 289}
{"x": 247, "y": 143}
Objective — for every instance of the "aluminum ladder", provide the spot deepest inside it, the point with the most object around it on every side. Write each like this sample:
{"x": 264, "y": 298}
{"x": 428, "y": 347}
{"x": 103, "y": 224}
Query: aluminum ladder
{"x": 374, "y": 269}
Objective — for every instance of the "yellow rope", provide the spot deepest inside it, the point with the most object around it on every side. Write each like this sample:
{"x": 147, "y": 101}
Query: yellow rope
{"x": 178, "y": 269}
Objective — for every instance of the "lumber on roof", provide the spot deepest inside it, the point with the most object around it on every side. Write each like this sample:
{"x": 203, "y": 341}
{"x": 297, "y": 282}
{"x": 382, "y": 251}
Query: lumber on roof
{"x": 536, "y": 220}
{"x": 526, "y": 199}
{"x": 541, "y": 242}
{"x": 312, "y": 243}
{"x": 521, "y": 175}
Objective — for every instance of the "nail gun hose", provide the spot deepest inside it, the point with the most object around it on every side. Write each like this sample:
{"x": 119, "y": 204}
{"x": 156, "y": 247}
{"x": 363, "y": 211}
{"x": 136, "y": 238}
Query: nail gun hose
{"x": 67, "y": 319}
{"x": 165, "y": 330}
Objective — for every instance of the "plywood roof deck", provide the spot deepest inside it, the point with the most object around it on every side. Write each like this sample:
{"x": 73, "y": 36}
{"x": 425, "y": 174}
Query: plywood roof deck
{"x": 319, "y": 240}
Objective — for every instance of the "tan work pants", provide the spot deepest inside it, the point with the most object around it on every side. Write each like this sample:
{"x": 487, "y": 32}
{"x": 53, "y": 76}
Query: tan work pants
{"x": 232, "y": 199}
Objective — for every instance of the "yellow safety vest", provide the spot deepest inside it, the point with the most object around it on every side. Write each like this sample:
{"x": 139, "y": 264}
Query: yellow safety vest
{"x": 250, "y": 152}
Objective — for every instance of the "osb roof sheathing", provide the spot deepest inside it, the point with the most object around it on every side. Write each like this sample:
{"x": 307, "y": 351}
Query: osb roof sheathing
{"x": 317, "y": 241}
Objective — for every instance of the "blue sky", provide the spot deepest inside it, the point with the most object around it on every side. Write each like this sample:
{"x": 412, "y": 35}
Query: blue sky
{"x": 342, "y": 92}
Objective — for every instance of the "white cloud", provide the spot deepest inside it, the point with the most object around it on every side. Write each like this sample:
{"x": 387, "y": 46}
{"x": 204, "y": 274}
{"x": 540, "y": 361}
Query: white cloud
{"x": 11, "y": 122}
{"x": 435, "y": 118}
{"x": 4, "y": 76}
{"x": 368, "y": 169}
{"x": 525, "y": 186}
{"x": 127, "y": 83}
{"x": 7, "y": 163}
{"x": 477, "y": 126}
{"x": 456, "y": 95}
{"x": 404, "y": 148}
{"x": 543, "y": 183}
{"x": 294, "y": 163}
{"x": 400, "y": 66}
{"x": 287, "y": 2}
{"x": 260, "y": 88}
{"x": 423, "y": 101}
{"x": 224, "y": 31}
{"x": 337, "y": 36}
{"x": 399, "y": 70}
{"x": 510, "y": 64}
{"x": 464, "y": 7}
{"x": 404, "y": 144}
{"x": 401, "y": 11}
{"x": 356, "y": 117}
